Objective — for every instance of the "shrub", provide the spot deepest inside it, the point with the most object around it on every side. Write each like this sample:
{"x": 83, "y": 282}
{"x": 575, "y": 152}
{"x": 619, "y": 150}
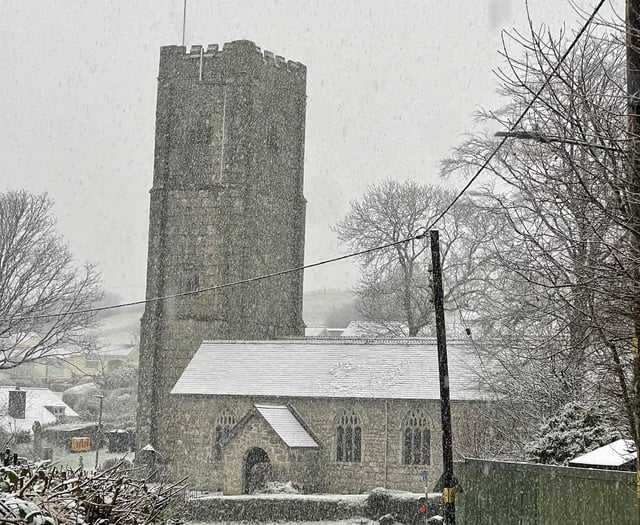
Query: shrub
{"x": 577, "y": 428}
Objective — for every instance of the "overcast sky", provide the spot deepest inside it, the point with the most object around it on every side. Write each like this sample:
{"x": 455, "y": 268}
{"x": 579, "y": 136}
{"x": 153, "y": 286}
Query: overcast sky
{"x": 391, "y": 88}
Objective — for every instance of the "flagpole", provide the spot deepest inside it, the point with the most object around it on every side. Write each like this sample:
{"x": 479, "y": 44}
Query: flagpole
{"x": 184, "y": 20}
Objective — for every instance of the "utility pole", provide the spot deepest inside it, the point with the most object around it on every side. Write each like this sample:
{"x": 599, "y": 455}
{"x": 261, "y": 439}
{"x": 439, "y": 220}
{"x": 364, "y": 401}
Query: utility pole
{"x": 633, "y": 104}
{"x": 448, "y": 492}
{"x": 99, "y": 432}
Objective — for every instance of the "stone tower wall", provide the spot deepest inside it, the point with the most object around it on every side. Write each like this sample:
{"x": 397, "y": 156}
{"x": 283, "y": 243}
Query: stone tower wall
{"x": 227, "y": 204}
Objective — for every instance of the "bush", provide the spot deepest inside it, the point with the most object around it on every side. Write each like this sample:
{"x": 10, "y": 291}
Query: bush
{"x": 90, "y": 498}
{"x": 121, "y": 377}
{"x": 403, "y": 506}
{"x": 577, "y": 428}
{"x": 117, "y": 464}
{"x": 22, "y": 436}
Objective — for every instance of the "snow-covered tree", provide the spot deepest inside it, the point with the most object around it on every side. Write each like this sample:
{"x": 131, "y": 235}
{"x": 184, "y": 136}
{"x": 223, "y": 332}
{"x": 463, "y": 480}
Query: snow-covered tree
{"x": 577, "y": 428}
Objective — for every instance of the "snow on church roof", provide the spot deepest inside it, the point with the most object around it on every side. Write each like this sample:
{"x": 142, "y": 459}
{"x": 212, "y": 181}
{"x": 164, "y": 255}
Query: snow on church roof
{"x": 344, "y": 368}
{"x": 614, "y": 454}
{"x": 285, "y": 424}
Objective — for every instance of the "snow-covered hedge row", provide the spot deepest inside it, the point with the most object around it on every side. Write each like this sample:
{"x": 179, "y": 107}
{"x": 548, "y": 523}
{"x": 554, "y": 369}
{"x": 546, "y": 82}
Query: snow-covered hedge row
{"x": 42, "y": 494}
{"x": 311, "y": 507}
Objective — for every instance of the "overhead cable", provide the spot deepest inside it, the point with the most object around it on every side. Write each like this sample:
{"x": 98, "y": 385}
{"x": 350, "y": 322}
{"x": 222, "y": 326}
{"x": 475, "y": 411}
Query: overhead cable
{"x": 350, "y": 255}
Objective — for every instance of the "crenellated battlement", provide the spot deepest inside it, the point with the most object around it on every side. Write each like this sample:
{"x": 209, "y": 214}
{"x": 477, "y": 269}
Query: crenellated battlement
{"x": 237, "y": 51}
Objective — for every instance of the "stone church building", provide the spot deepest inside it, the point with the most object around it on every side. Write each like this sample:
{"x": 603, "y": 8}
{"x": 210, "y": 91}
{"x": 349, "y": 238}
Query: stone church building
{"x": 330, "y": 415}
{"x": 227, "y": 204}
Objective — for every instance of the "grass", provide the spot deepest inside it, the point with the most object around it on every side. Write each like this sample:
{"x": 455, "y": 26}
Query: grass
{"x": 72, "y": 460}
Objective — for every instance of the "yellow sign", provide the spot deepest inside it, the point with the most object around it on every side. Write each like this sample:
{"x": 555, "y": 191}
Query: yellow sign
{"x": 448, "y": 495}
{"x": 80, "y": 444}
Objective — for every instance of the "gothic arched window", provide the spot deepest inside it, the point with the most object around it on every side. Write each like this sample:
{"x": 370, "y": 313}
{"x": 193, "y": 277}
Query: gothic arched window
{"x": 225, "y": 422}
{"x": 416, "y": 440}
{"x": 348, "y": 437}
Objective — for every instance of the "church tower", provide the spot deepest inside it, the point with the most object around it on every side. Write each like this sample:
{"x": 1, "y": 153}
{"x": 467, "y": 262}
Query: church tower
{"x": 227, "y": 204}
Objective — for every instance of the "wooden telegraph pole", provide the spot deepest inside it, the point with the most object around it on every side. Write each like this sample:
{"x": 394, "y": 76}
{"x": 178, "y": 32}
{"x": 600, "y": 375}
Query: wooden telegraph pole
{"x": 448, "y": 492}
{"x": 633, "y": 103}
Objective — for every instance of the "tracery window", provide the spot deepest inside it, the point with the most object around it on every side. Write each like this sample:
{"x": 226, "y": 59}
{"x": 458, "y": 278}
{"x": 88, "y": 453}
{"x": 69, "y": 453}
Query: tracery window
{"x": 225, "y": 422}
{"x": 348, "y": 438}
{"x": 416, "y": 436}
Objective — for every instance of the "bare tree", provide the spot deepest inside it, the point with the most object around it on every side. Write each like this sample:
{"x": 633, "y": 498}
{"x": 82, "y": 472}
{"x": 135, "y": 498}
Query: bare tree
{"x": 42, "y": 291}
{"x": 560, "y": 320}
{"x": 395, "y": 284}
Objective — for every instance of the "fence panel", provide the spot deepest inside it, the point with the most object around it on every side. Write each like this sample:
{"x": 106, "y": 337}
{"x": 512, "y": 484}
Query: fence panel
{"x": 496, "y": 492}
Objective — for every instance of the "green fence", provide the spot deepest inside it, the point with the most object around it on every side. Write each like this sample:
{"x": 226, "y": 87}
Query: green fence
{"x": 500, "y": 493}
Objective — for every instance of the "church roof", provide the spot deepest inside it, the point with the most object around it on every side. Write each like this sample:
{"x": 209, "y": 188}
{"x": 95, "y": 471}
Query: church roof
{"x": 285, "y": 424}
{"x": 342, "y": 368}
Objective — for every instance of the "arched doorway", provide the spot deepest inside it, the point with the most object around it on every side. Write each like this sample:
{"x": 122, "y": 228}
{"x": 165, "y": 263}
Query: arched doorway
{"x": 256, "y": 464}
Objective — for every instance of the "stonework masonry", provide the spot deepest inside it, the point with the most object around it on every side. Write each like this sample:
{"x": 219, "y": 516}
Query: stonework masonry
{"x": 227, "y": 204}
{"x": 381, "y": 464}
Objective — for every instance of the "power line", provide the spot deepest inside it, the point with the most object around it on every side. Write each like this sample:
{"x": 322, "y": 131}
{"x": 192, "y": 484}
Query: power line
{"x": 520, "y": 118}
{"x": 217, "y": 287}
{"x": 350, "y": 255}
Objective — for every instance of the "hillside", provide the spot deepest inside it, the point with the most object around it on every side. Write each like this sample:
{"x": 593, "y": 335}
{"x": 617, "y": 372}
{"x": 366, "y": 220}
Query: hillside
{"x": 319, "y": 304}
{"x": 122, "y": 326}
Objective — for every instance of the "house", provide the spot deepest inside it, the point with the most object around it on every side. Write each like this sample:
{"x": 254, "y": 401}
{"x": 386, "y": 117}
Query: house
{"x": 332, "y": 415}
{"x": 20, "y": 408}
{"x": 62, "y": 434}
{"x": 376, "y": 329}
{"x": 322, "y": 331}
{"x": 315, "y": 331}
{"x": 455, "y": 327}
{"x": 66, "y": 364}
{"x": 619, "y": 455}
{"x": 116, "y": 345}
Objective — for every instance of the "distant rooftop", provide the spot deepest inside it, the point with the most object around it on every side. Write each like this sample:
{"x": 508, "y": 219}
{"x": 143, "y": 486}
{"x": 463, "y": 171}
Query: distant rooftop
{"x": 614, "y": 454}
{"x": 37, "y": 401}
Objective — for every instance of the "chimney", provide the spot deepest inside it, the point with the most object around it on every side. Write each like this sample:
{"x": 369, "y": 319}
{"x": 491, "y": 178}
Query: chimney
{"x": 17, "y": 403}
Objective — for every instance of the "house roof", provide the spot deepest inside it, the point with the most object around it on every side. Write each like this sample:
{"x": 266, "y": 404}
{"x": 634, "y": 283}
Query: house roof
{"x": 35, "y": 408}
{"x": 371, "y": 329}
{"x": 343, "y": 368}
{"x": 73, "y": 427}
{"x": 315, "y": 331}
{"x": 117, "y": 350}
{"x": 285, "y": 424}
{"x": 614, "y": 454}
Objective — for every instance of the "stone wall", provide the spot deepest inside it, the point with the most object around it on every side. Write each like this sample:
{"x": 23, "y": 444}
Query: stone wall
{"x": 226, "y": 204}
{"x": 381, "y": 464}
{"x": 255, "y": 434}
